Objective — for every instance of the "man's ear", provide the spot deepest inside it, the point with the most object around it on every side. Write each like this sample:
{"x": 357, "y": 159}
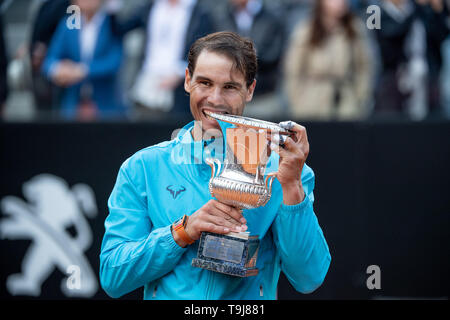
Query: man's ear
{"x": 250, "y": 91}
{"x": 187, "y": 81}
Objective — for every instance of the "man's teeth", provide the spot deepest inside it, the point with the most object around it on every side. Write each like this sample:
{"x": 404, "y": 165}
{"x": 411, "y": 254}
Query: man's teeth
{"x": 219, "y": 112}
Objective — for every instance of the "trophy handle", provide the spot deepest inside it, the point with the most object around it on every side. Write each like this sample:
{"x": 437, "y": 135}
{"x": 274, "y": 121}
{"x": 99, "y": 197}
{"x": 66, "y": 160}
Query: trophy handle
{"x": 268, "y": 181}
{"x": 211, "y": 162}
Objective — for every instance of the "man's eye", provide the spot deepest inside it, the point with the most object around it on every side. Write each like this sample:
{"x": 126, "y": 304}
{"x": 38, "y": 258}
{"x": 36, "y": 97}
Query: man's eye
{"x": 205, "y": 83}
{"x": 229, "y": 87}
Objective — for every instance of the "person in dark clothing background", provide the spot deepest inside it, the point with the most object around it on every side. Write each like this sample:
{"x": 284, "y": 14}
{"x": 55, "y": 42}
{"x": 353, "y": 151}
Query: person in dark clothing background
{"x": 397, "y": 18}
{"x": 3, "y": 65}
{"x": 85, "y": 62}
{"x": 44, "y": 26}
{"x": 171, "y": 26}
{"x": 253, "y": 19}
{"x": 410, "y": 41}
{"x": 434, "y": 16}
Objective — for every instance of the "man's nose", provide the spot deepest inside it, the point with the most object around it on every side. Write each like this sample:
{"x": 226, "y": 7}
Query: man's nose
{"x": 215, "y": 96}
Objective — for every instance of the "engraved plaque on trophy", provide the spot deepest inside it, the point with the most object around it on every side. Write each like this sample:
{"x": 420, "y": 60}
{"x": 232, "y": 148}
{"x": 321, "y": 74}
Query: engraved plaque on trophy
{"x": 239, "y": 182}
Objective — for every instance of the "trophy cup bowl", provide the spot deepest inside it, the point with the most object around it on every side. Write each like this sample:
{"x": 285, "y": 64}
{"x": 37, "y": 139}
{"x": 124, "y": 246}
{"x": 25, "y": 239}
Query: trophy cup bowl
{"x": 239, "y": 182}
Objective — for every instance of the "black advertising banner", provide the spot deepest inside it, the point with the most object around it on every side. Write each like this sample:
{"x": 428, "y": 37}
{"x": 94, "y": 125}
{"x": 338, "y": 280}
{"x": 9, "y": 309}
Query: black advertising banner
{"x": 56, "y": 180}
{"x": 381, "y": 197}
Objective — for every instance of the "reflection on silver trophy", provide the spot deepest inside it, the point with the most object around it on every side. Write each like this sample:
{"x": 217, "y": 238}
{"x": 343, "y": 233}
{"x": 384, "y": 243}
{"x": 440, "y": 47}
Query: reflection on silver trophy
{"x": 239, "y": 181}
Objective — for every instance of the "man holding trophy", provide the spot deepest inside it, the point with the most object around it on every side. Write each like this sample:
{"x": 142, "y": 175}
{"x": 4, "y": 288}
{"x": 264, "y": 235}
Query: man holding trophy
{"x": 194, "y": 218}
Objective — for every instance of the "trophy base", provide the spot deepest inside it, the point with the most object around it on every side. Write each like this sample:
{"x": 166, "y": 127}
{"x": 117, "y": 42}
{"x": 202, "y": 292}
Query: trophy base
{"x": 223, "y": 268}
{"x": 233, "y": 254}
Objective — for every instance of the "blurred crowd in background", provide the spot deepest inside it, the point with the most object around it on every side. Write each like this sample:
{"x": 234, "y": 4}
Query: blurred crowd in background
{"x": 324, "y": 60}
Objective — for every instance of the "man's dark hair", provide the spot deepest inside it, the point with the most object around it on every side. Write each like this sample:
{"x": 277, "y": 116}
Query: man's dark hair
{"x": 239, "y": 49}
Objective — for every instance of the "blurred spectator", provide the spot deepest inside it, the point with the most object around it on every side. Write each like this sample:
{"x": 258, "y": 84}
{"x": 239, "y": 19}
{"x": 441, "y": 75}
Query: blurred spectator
{"x": 434, "y": 15}
{"x": 328, "y": 69}
{"x": 3, "y": 66}
{"x": 402, "y": 56}
{"x": 171, "y": 27}
{"x": 251, "y": 18}
{"x": 85, "y": 63}
{"x": 295, "y": 11}
{"x": 445, "y": 80}
{"x": 410, "y": 40}
{"x": 45, "y": 23}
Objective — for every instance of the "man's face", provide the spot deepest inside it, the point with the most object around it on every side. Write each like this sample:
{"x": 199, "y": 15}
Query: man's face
{"x": 88, "y": 7}
{"x": 335, "y": 8}
{"x": 239, "y": 3}
{"x": 216, "y": 86}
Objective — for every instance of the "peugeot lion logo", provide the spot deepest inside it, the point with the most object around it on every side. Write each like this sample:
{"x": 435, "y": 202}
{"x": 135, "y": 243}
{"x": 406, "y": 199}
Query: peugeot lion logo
{"x": 51, "y": 208}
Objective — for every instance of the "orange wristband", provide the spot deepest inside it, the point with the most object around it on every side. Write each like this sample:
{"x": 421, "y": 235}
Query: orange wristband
{"x": 179, "y": 226}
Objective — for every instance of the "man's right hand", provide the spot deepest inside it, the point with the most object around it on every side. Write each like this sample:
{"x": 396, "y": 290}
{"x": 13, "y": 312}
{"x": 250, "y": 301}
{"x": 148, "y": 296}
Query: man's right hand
{"x": 68, "y": 73}
{"x": 214, "y": 217}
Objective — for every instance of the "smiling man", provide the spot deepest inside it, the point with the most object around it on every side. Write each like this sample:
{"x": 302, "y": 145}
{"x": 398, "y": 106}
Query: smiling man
{"x": 220, "y": 77}
{"x": 158, "y": 209}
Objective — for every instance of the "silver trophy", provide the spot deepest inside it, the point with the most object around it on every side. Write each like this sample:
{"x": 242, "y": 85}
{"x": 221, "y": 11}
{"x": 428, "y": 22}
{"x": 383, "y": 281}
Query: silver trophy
{"x": 239, "y": 182}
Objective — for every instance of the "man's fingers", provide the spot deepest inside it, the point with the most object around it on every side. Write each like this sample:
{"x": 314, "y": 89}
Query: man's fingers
{"x": 211, "y": 227}
{"x": 288, "y": 125}
{"x": 222, "y": 206}
{"x": 227, "y": 212}
{"x": 286, "y": 143}
{"x": 215, "y": 217}
{"x": 298, "y": 129}
{"x": 217, "y": 228}
{"x": 282, "y": 152}
{"x": 300, "y": 133}
{"x": 220, "y": 221}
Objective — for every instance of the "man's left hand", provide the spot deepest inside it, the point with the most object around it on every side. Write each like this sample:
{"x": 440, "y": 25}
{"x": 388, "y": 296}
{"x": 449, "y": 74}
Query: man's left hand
{"x": 293, "y": 153}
